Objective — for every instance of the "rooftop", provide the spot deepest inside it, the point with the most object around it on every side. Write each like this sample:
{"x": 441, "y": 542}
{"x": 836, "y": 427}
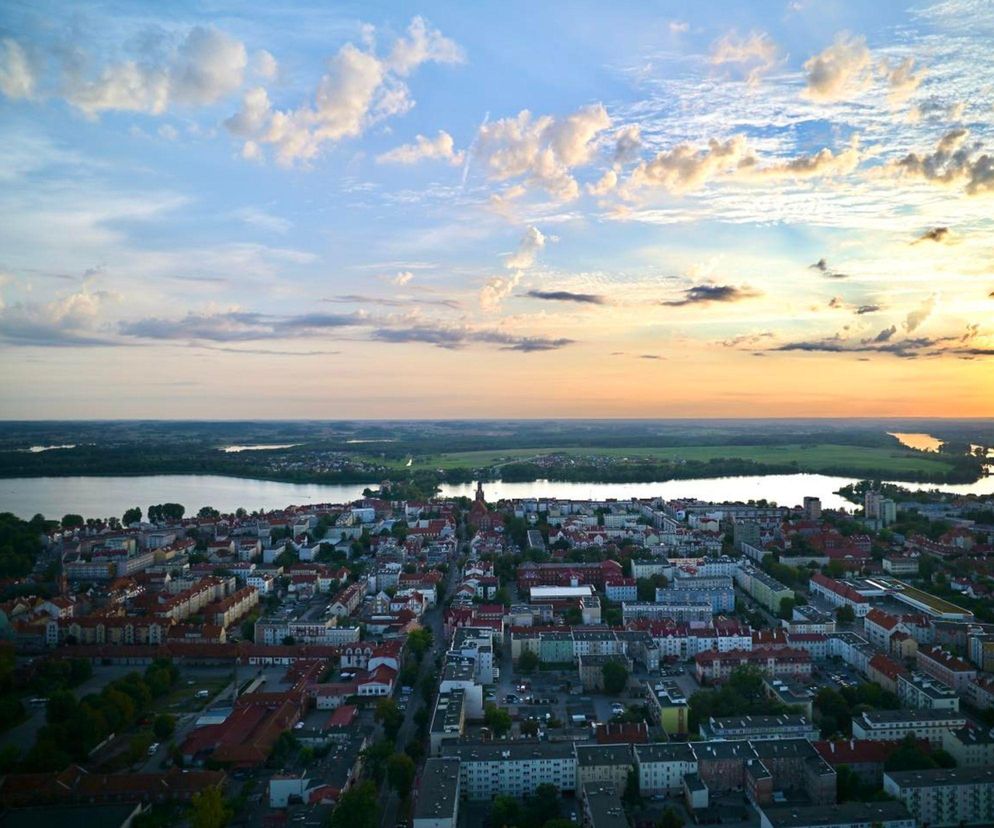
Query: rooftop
{"x": 438, "y": 789}
{"x": 942, "y": 777}
{"x": 846, "y": 813}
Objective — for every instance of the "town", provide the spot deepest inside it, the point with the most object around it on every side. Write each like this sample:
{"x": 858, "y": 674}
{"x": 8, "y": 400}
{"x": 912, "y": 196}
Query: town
{"x": 534, "y": 663}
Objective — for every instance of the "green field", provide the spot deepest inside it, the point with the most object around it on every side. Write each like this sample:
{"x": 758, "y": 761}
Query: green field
{"x": 816, "y": 457}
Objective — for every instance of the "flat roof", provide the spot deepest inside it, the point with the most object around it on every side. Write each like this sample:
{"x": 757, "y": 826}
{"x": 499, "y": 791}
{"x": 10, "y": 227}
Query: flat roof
{"x": 867, "y": 813}
{"x": 567, "y": 591}
{"x": 508, "y": 751}
{"x": 942, "y": 777}
{"x": 604, "y": 806}
{"x": 591, "y": 755}
{"x": 438, "y": 789}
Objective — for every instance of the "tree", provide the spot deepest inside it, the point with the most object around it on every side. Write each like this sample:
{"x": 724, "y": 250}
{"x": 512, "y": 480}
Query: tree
{"x": 845, "y": 614}
{"x": 542, "y": 805}
{"x": 419, "y": 641}
{"x": 615, "y": 677}
{"x": 208, "y": 809}
{"x": 208, "y": 512}
{"x": 400, "y": 773}
{"x": 164, "y": 726}
{"x": 671, "y": 819}
{"x": 505, "y": 813}
{"x": 357, "y": 808}
{"x": 909, "y": 756}
{"x": 72, "y": 521}
{"x": 787, "y": 608}
{"x": 497, "y": 719}
{"x": 388, "y": 714}
{"x": 528, "y": 662}
{"x": 631, "y": 793}
{"x": 529, "y": 727}
{"x": 132, "y": 515}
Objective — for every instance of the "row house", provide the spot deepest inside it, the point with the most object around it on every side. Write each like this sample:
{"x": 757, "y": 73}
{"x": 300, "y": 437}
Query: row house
{"x": 943, "y": 666}
{"x": 715, "y": 668}
{"x": 234, "y": 607}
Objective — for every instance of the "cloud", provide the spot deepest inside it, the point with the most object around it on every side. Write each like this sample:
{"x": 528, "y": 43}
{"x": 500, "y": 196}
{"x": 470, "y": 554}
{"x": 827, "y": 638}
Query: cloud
{"x": 265, "y": 65}
{"x": 568, "y": 296}
{"x": 206, "y": 66}
{"x": 822, "y": 267}
{"x": 457, "y": 338}
{"x": 17, "y": 77}
{"x": 402, "y": 278}
{"x": 952, "y": 162}
{"x": 918, "y": 316}
{"x": 685, "y": 167}
{"x": 389, "y": 302}
{"x": 708, "y": 294}
{"x": 836, "y": 302}
{"x": 237, "y": 326}
{"x": 530, "y": 246}
{"x": 934, "y": 109}
{"x": 439, "y": 148}
{"x": 627, "y": 144}
{"x": 902, "y": 80}
{"x": 543, "y": 151}
{"x": 255, "y": 217}
{"x": 863, "y": 310}
{"x": 64, "y": 322}
{"x": 678, "y": 26}
{"x": 754, "y": 56}
{"x": 935, "y": 234}
{"x": 885, "y": 335}
{"x": 841, "y": 71}
{"x": 358, "y": 90}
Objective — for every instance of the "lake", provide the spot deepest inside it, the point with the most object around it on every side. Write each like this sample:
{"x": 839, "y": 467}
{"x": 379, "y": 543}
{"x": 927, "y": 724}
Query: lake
{"x": 106, "y": 496}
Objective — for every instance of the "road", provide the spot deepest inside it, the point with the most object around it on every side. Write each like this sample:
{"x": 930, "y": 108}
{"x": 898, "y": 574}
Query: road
{"x": 432, "y": 619}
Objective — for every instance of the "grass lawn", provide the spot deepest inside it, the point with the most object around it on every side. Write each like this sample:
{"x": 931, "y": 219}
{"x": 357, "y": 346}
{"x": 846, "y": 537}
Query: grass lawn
{"x": 812, "y": 458}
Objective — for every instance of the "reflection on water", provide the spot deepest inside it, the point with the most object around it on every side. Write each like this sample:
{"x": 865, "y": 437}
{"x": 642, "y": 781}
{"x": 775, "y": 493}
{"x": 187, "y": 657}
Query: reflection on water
{"x": 917, "y": 440}
{"x": 259, "y": 447}
{"x": 107, "y": 496}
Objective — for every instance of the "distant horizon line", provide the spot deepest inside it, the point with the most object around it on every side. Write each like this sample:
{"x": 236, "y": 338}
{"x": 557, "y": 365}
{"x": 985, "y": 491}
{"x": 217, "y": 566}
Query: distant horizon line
{"x": 866, "y": 418}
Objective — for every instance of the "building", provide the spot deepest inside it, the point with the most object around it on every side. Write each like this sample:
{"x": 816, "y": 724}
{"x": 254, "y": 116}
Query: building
{"x": 762, "y": 588}
{"x": 944, "y": 667}
{"x": 864, "y": 757}
{"x": 785, "y": 726}
{"x": 276, "y": 630}
{"x": 489, "y": 769}
{"x": 668, "y": 706}
{"x": 843, "y": 815}
{"x": 605, "y": 766}
{"x": 957, "y": 796}
{"x": 896, "y": 724}
{"x": 920, "y": 692}
{"x": 679, "y": 605}
{"x": 591, "y": 668}
{"x": 448, "y": 722}
{"x": 437, "y": 794}
{"x": 784, "y": 663}
{"x": 661, "y": 766}
{"x": 812, "y": 508}
{"x": 971, "y": 748}
{"x": 602, "y": 807}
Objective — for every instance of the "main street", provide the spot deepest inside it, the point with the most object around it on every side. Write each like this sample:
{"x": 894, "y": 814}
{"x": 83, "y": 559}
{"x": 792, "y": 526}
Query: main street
{"x": 433, "y": 620}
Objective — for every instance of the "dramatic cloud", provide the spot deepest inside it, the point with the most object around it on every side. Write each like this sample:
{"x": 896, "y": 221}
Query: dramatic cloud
{"x": 205, "y": 67}
{"x": 886, "y": 334}
{"x": 863, "y": 310}
{"x": 708, "y": 294}
{"x": 953, "y": 162}
{"x": 885, "y": 343}
{"x": 753, "y": 56}
{"x": 543, "y": 151}
{"x": 841, "y": 71}
{"x": 456, "y": 338}
{"x": 935, "y": 234}
{"x": 568, "y": 296}
{"x": 439, "y": 148}
{"x": 358, "y": 90}
{"x": 822, "y": 267}
{"x": 918, "y": 316}
{"x": 17, "y": 78}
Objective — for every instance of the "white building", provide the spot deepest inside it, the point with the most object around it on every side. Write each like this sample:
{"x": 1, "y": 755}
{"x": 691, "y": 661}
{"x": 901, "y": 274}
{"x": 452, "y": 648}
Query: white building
{"x": 489, "y": 769}
{"x": 954, "y": 796}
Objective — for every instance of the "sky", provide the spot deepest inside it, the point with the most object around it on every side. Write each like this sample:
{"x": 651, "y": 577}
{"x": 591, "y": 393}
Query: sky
{"x": 236, "y": 210}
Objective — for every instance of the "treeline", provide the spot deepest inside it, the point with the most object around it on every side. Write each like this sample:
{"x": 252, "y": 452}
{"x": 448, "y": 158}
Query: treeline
{"x": 74, "y": 728}
{"x": 20, "y": 544}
